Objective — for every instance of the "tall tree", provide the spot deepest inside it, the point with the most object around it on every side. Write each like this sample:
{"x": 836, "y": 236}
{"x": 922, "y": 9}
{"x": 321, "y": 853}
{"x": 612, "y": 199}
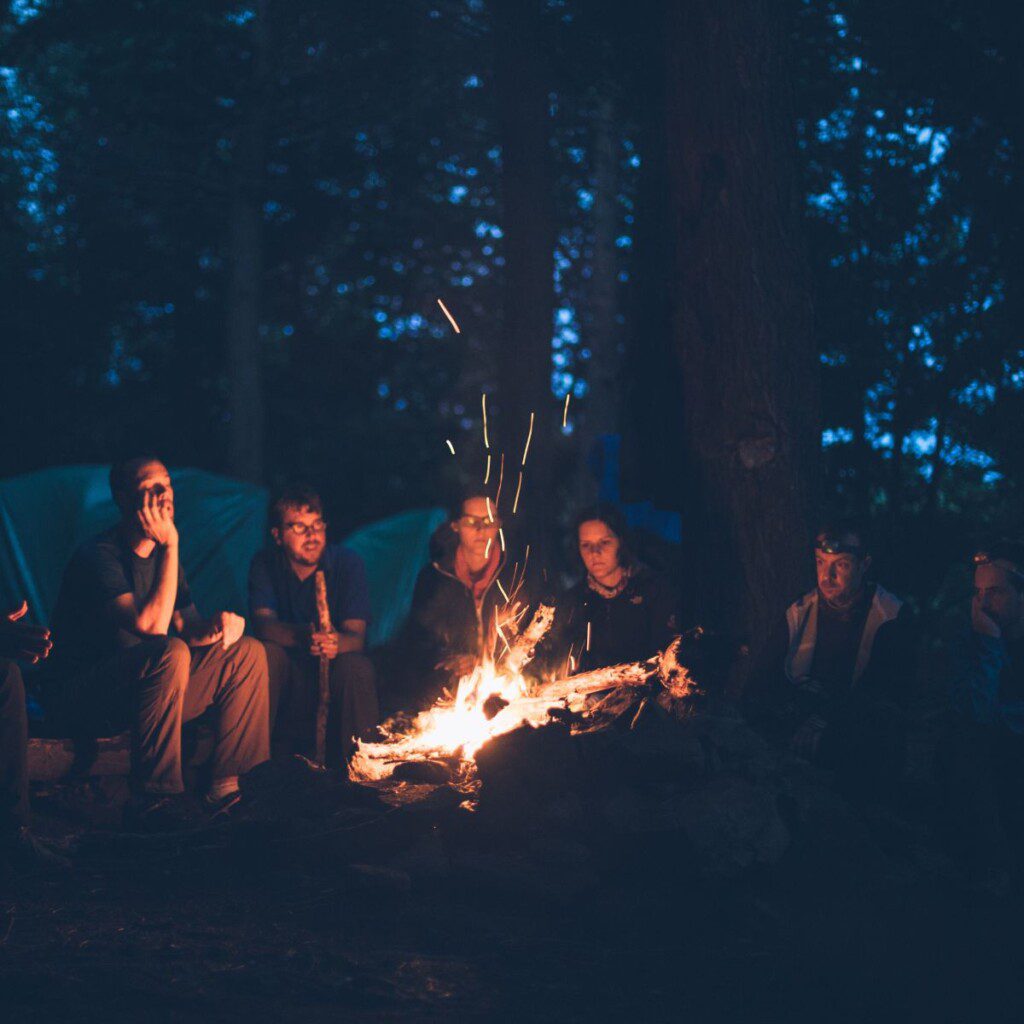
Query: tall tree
{"x": 742, "y": 318}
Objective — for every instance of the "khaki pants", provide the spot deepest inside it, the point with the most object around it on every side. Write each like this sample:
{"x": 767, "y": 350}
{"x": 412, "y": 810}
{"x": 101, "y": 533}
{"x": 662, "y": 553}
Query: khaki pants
{"x": 295, "y": 692}
{"x": 161, "y": 682}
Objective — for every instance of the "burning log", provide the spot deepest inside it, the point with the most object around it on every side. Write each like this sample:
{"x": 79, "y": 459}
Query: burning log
{"x": 524, "y": 647}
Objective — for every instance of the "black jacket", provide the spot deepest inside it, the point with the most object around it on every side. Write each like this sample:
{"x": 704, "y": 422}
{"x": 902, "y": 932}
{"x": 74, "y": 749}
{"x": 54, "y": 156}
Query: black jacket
{"x": 443, "y": 622}
{"x": 632, "y": 626}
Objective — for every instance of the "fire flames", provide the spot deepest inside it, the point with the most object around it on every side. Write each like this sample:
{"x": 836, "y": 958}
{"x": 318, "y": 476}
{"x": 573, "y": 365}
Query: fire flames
{"x": 496, "y": 698}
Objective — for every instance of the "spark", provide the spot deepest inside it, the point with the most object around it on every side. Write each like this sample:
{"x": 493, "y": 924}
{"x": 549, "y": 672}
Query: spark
{"x": 501, "y": 537}
{"x": 451, "y": 319}
{"x": 572, "y": 663}
{"x": 565, "y": 411}
{"x": 519, "y": 487}
{"x": 487, "y": 550}
{"x": 501, "y": 477}
{"x": 451, "y": 447}
{"x": 483, "y": 405}
{"x": 529, "y": 437}
{"x": 504, "y": 593}
{"x": 490, "y": 514}
{"x": 487, "y": 473}
{"x": 501, "y": 633}
{"x": 588, "y": 636}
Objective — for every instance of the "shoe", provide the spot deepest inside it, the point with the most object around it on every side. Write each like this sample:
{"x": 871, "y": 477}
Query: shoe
{"x": 217, "y": 808}
{"x": 28, "y": 854}
{"x": 156, "y": 813}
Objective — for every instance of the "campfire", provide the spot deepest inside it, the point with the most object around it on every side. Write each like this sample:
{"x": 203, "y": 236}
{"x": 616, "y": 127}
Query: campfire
{"x": 496, "y": 698}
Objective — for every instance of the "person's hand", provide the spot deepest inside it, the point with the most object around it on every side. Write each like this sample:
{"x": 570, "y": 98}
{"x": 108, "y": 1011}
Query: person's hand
{"x": 324, "y": 643}
{"x": 230, "y": 626}
{"x": 458, "y": 665}
{"x": 156, "y": 520}
{"x": 21, "y": 639}
{"x": 982, "y": 622}
{"x": 806, "y": 739}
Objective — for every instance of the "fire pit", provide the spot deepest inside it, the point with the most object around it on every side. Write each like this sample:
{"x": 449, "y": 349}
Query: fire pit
{"x": 496, "y": 698}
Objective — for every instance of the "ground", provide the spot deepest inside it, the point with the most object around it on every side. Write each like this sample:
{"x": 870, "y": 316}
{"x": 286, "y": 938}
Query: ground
{"x": 259, "y": 920}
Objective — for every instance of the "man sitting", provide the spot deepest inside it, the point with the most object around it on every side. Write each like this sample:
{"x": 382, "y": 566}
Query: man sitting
{"x": 839, "y": 669}
{"x": 985, "y": 755}
{"x": 18, "y": 847}
{"x": 282, "y": 599}
{"x": 115, "y": 664}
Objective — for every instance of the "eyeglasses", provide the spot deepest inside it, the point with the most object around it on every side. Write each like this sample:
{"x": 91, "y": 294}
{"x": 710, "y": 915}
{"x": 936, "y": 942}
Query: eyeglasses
{"x": 307, "y": 530}
{"x": 477, "y": 523}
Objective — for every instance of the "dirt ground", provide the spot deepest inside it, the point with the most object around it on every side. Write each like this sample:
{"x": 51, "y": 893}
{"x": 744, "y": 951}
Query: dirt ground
{"x": 316, "y": 919}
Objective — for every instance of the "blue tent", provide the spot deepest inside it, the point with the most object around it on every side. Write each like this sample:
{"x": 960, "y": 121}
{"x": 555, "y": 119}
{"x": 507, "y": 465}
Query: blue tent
{"x": 45, "y": 515}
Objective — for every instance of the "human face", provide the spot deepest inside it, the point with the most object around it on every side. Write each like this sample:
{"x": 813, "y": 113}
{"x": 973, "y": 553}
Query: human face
{"x": 841, "y": 575}
{"x": 150, "y": 478}
{"x": 302, "y": 534}
{"x": 999, "y": 599}
{"x": 477, "y": 527}
{"x": 599, "y": 549}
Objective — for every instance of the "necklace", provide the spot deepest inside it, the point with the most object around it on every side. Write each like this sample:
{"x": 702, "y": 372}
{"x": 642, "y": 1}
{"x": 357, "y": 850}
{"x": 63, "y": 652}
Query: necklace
{"x": 609, "y": 592}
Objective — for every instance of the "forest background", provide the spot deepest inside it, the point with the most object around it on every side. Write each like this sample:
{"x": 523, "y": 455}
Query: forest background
{"x": 769, "y": 248}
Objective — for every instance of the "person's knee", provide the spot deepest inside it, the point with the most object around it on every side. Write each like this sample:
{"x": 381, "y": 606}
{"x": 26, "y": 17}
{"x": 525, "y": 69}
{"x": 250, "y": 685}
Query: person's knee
{"x": 278, "y": 662}
{"x": 248, "y": 659}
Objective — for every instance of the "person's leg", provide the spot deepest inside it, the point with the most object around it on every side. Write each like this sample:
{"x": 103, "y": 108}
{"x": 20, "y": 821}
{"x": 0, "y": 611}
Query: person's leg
{"x": 235, "y": 683}
{"x": 279, "y": 689}
{"x": 13, "y": 749}
{"x": 141, "y": 688}
{"x": 354, "y": 706}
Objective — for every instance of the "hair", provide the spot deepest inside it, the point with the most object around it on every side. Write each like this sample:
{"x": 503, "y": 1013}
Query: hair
{"x": 297, "y": 496}
{"x": 612, "y": 517}
{"x": 122, "y": 472}
{"x": 848, "y": 526}
{"x": 1011, "y": 551}
{"x": 462, "y": 495}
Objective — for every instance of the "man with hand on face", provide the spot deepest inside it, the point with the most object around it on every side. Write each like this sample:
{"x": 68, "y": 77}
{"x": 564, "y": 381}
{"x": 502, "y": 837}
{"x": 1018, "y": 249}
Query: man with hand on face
{"x": 282, "y": 599}
{"x": 838, "y": 671}
{"x": 18, "y": 847}
{"x": 116, "y": 663}
{"x": 986, "y": 751}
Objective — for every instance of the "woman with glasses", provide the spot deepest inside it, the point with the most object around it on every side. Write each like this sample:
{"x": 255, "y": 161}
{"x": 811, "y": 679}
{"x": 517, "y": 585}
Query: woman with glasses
{"x": 457, "y": 599}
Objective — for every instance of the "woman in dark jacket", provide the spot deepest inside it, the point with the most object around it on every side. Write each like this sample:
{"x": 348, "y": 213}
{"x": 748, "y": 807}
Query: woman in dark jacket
{"x": 456, "y": 600}
{"x": 621, "y": 611}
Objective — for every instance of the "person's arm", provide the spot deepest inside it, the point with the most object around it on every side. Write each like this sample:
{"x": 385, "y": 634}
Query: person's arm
{"x": 152, "y": 615}
{"x": 20, "y": 639}
{"x": 349, "y": 637}
{"x": 267, "y": 626}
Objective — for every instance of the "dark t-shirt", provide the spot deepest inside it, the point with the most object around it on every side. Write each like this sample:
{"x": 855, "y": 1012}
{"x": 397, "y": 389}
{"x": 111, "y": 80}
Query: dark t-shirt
{"x": 838, "y": 643}
{"x": 101, "y": 570}
{"x": 274, "y": 585}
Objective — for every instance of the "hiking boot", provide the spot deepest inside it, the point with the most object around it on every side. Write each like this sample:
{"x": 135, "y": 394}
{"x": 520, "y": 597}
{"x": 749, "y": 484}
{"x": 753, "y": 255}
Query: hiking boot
{"x": 159, "y": 812}
{"x": 28, "y": 854}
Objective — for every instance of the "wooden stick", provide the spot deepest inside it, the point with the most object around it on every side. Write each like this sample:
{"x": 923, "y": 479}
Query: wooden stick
{"x": 323, "y": 615}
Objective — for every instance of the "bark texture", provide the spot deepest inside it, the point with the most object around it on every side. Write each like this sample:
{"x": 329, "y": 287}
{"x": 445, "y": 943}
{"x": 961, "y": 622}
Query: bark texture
{"x": 742, "y": 316}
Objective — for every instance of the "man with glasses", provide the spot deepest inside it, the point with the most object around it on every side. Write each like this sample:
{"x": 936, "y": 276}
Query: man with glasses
{"x": 836, "y": 675}
{"x": 282, "y": 600}
{"x": 985, "y": 756}
{"x": 456, "y": 601}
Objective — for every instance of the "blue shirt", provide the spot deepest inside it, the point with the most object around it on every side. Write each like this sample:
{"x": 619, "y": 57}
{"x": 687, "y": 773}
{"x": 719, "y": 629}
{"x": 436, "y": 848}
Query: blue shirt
{"x": 274, "y": 585}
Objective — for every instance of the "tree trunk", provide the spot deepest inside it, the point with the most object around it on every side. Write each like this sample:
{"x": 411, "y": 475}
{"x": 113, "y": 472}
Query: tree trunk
{"x": 245, "y": 270}
{"x": 528, "y": 223}
{"x": 742, "y": 318}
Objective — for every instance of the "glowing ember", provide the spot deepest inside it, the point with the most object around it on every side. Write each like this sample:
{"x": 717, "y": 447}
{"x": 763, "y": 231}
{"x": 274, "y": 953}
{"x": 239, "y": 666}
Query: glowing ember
{"x": 451, "y": 447}
{"x": 529, "y": 438}
{"x": 451, "y": 319}
{"x": 565, "y": 411}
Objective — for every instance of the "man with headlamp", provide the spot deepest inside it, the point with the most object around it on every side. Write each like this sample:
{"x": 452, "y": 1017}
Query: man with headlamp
{"x": 839, "y": 668}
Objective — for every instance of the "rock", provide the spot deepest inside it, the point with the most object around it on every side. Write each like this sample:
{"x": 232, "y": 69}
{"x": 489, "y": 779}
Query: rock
{"x": 424, "y": 772}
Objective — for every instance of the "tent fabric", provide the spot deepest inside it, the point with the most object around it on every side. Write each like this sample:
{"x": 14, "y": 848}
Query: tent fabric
{"x": 45, "y": 515}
